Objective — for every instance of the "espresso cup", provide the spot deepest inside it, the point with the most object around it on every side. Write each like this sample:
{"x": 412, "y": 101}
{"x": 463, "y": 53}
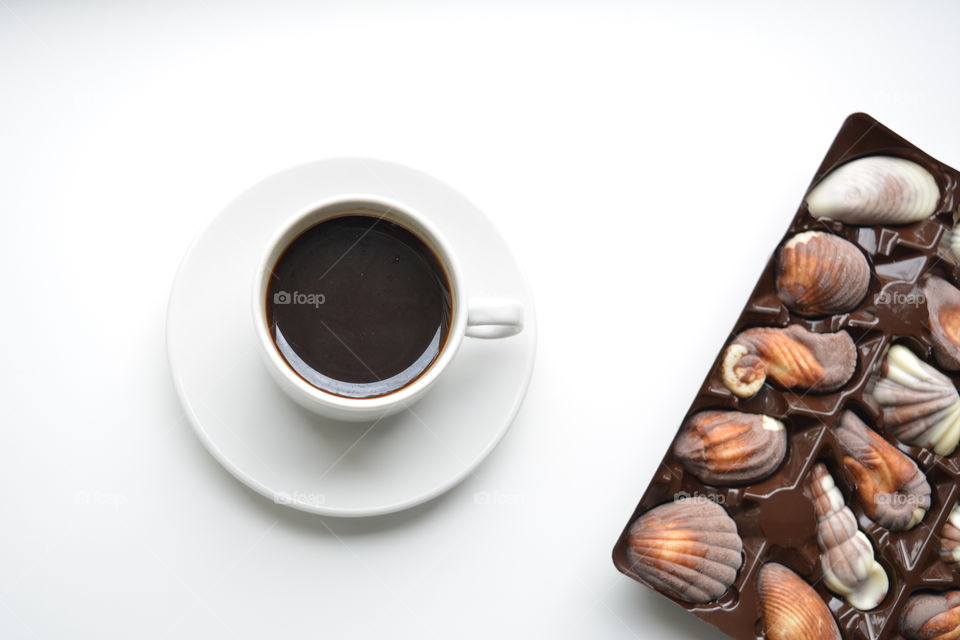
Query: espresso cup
{"x": 474, "y": 317}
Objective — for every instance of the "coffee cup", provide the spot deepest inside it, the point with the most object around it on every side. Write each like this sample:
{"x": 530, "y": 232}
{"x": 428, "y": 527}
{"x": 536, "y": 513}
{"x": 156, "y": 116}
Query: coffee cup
{"x": 359, "y": 305}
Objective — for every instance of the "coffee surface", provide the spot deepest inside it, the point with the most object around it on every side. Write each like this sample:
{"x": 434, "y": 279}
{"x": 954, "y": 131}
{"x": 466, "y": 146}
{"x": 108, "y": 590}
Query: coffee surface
{"x": 358, "y": 306}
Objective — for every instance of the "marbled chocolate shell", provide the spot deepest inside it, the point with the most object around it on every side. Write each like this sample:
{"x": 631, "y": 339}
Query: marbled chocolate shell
{"x": 943, "y": 313}
{"x": 730, "y": 447}
{"x": 950, "y": 538}
{"x": 850, "y": 568}
{"x": 932, "y": 616}
{"x": 793, "y": 357}
{"x": 820, "y": 274}
{"x": 688, "y": 549}
{"x": 953, "y": 242}
{"x": 893, "y": 490}
{"x": 875, "y": 190}
{"x": 791, "y": 609}
{"x": 920, "y": 405}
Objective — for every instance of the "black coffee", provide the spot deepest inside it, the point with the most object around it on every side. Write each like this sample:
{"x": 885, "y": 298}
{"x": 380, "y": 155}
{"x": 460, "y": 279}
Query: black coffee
{"x": 358, "y": 306}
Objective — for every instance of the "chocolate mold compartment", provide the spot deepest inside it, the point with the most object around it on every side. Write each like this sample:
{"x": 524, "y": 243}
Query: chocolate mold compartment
{"x": 930, "y": 574}
{"x": 908, "y": 556}
{"x": 943, "y": 567}
{"x": 758, "y": 510}
{"x": 908, "y": 544}
{"x": 862, "y": 136}
{"x": 764, "y": 308}
{"x": 923, "y": 559}
{"x": 745, "y": 504}
{"x": 893, "y": 300}
{"x": 777, "y": 401}
{"x": 868, "y": 621}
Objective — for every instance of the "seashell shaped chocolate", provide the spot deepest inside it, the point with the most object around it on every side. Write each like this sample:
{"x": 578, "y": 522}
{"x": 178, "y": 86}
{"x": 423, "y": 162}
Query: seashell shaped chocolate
{"x": 950, "y": 538}
{"x": 849, "y": 566}
{"x": 821, "y": 274}
{"x": 893, "y": 490}
{"x": 688, "y": 549}
{"x": 932, "y": 616}
{"x": 875, "y": 190}
{"x": 793, "y": 357}
{"x": 953, "y": 242}
{"x": 790, "y": 609}
{"x": 730, "y": 447}
{"x": 943, "y": 312}
{"x": 920, "y": 405}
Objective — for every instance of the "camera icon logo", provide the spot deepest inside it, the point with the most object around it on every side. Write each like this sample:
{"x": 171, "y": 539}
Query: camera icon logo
{"x": 282, "y": 297}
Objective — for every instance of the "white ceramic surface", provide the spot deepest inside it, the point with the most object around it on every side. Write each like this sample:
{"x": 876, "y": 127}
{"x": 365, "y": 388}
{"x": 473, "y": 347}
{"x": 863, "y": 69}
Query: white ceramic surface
{"x": 295, "y": 457}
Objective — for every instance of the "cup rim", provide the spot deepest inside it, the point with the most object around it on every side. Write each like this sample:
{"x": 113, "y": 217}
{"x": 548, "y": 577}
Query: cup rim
{"x": 398, "y": 213}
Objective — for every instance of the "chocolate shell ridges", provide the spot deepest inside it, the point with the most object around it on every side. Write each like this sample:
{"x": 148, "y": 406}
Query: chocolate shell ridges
{"x": 950, "y": 538}
{"x": 943, "y": 313}
{"x": 688, "y": 549}
{"x": 791, "y": 609}
{"x": 920, "y": 405}
{"x": 893, "y": 490}
{"x": 849, "y": 566}
{"x": 821, "y": 274}
{"x": 954, "y": 242}
{"x": 875, "y": 190}
{"x": 793, "y": 357}
{"x": 730, "y": 447}
{"x": 931, "y": 616}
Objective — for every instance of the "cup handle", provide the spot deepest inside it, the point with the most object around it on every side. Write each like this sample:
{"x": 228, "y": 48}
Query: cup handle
{"x": 494, "y": 318}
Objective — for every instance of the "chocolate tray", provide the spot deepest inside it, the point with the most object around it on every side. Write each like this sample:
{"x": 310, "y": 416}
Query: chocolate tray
{"x": 778, "y": 517}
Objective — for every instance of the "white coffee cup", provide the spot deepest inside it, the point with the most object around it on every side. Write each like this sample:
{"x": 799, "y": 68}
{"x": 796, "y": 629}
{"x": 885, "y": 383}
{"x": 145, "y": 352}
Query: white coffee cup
{"x": 474, "y": 317}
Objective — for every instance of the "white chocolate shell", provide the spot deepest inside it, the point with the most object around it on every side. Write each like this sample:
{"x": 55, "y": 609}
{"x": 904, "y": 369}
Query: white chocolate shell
{"x": 920, "y": 405}
{"x": 849, "y": 566}
{"x": 730, "y": 447}
{"x": 953, "y": 242}
{"x": 893, "y": 490}
{"x": 950, "y": 538}
{"x": 791, "y": 609}
{"x": 821, "y": 274}
{"x": 875, "y": 190}
{"x": 688, "y": 549}
{"x": 793, "y": 357}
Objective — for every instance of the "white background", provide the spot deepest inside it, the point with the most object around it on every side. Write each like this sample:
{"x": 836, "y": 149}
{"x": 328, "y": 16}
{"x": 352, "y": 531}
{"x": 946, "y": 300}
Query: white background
{"x": 640, "y": 158}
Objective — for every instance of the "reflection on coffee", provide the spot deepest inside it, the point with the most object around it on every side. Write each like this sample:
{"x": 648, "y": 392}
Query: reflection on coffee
{"x": 359, "y": 306}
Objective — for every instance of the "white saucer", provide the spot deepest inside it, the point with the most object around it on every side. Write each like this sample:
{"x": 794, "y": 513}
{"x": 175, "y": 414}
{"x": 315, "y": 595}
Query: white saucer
{"x": 295, "y": 457}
